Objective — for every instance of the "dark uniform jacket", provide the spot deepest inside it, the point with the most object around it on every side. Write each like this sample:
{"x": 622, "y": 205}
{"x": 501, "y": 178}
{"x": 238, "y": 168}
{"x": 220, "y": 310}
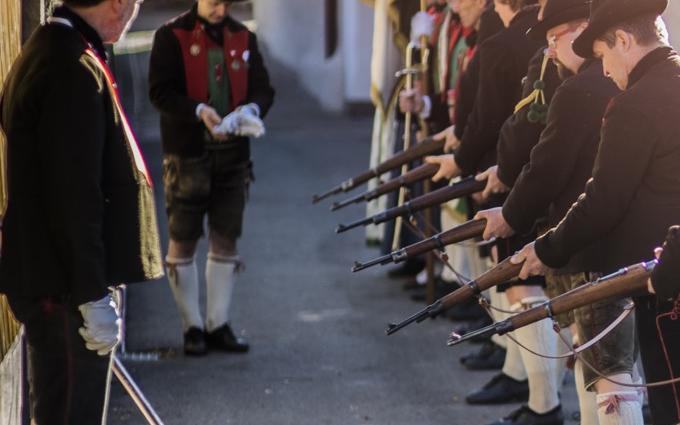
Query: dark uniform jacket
{"x": 666, "y": 275}
{"x": 72, "y": 224}
{"x": 634, "y": 194}
{"x": 490, "y": 24}
{"x": 181, "y": 131}
{"x": 562, "y": 161}
{"x": 519, "y": 135}
{"x": 504, "y": 59}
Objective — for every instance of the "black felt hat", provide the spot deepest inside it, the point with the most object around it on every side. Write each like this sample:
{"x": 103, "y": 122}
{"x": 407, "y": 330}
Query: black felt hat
{"x": 558, "y": 12}
{"x": 604, "y": 14}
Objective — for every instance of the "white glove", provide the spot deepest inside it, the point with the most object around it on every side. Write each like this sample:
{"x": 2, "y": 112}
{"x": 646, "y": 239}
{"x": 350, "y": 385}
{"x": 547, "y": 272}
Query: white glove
{"x": 422, "y": 24}
{"x": 101, "y": 330}
{"x": 243, "y": 121}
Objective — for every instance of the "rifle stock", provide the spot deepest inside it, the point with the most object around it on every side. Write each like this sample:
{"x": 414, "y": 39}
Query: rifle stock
{"x": 627, "y": 282}
{"x": 503, "y": 272}
{"x": 463, "y": 232}
{"x": 423, "y": 172}
{"x": 426, "y": 147}
{"x": 465, "y": 187}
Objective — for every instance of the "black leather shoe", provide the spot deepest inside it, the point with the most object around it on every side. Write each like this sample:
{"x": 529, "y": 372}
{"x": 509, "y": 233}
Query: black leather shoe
{"x": 501, "y": 389}
{"x": 194, "y": 342}
{"x": 223, "y": 339}
{"x": 526, "y": 416}
{"x": 490, "y": 356}
{"x": 470, "y": 310}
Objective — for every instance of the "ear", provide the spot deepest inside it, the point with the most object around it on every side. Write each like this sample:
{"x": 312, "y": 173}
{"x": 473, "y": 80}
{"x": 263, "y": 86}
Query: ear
{"x": 625, "y": 40}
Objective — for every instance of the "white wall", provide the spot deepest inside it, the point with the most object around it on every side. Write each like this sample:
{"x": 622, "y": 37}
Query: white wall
{"x": 293, "y": 32}
{"x": 672, "y": 18}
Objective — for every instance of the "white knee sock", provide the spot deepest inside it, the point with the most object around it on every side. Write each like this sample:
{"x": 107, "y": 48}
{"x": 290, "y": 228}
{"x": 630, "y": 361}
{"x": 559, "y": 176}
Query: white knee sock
{"x": 619, "y": 408}
{"x": 220, "y": 277}
{"x": 183, "y": 278}
{"x": 541, "y": 338}
{"x": 513, "y": 366}
{"x": 587, "y": 402}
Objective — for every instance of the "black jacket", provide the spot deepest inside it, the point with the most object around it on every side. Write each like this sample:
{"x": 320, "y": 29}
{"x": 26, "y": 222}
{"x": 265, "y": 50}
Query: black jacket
{"x": 634, "y": 194}
{"x": 490, "y": 24}
{"x": 666, "y": 275}
{"x": 519, "y": 135}
{"x": 182, "y": 132}
{"x": 503, "y": 62}
{"x": 562, "y": 161}
{"x": 71, "y": 226}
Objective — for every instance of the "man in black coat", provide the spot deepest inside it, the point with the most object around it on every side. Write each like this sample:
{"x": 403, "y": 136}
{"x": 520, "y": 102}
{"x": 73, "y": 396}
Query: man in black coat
{"x": 209, "y": 82}
{"x": 634, "y": 194}
{"x": 80, "y": 216}
{"x": 564, "y": 157}
{"x": 665, "y": 281}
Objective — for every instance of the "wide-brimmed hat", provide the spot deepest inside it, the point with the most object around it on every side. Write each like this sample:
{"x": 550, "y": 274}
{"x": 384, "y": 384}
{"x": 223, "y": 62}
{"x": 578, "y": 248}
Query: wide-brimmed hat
{"x": 605, "y": 14}
{"x": 558, "y": 12}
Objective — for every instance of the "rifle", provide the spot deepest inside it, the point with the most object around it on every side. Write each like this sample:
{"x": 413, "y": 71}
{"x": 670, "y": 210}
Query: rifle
{"x": 426, "y": 147}
{"x": 627, "y": 282}
{"x": 465, "y": 187}
{"x": 425, "y": 171}
{"x": 503, "y": 272}
{"x": 465, "y": 231}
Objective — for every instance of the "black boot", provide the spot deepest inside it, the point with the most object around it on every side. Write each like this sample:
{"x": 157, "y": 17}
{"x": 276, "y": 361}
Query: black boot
{"x": 194, "y": 342}
{"x": 501, "y": 389}
{"x": 526, "y": 416}
{"x": 223, "y": 339}
{"x": 490, "y": 356}
{"x": 410, "y": 267}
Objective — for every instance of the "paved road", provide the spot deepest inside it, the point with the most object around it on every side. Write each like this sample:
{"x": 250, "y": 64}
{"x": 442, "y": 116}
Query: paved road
{"x": 319, "y": 354}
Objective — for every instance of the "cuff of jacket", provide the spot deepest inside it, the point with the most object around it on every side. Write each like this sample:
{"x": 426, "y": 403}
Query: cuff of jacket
{"x": 516, "y": 216}
{"x": 464, "y": 163}
{"x": 548, "y": 251}
{"x": 503, "y": 176}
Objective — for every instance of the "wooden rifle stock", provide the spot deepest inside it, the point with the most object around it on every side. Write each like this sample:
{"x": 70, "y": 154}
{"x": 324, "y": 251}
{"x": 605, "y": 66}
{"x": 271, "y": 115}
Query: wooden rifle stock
{"x": 503, "y": 272}
{"x": 468, "y": 230}
{"x": 465, "y": 187}
{"x": 426, "y": 147}
{"x": 627, "y": 282}
{"x": 423, "y": 172}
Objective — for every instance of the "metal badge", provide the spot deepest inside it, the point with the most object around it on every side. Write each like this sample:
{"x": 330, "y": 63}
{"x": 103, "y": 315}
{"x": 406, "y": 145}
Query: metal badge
{"x": 195, "y": 50}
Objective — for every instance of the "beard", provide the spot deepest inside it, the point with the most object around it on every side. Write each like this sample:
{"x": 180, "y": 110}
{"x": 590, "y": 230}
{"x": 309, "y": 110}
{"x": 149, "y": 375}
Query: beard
{"x": 562, "y": 71}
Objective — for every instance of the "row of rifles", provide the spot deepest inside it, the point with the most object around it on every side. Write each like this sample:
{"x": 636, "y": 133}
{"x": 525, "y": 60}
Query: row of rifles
{"x": 627, "y": 282}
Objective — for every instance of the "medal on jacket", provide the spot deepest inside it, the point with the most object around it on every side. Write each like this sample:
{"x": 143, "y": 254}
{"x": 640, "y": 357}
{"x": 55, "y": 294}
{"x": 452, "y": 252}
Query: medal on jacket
{"x": 195, "y": 49}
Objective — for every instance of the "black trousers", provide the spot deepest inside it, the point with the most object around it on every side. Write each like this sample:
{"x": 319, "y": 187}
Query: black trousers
{"x": 67, "y": 382}
{"x": 658, "y": 329}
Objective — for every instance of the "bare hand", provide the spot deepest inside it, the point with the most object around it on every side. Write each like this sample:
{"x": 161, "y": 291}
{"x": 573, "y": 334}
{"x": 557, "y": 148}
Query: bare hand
{"x": 448, "y": 168}
{"x": 452, "y": 143}
{"x": 533, "y": 266}
{"x": 411, "y": 101}
{"x": 493, "y": 184}
{"x": 496, "y": 226}
{"x": 212, "y": 119}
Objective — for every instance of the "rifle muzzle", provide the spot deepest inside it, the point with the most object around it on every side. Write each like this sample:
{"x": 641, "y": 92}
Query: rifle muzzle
{"x": 499, "y": 328}
{"x": 385, "y": 259}
{"x": 430, "y": 311}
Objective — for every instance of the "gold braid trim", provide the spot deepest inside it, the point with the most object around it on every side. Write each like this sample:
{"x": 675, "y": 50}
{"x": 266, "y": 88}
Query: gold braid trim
{"x": 536, "y": 96}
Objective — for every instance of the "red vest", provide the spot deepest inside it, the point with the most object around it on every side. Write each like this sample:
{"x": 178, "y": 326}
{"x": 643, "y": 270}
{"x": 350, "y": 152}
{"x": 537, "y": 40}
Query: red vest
{"x": 195, "y": 57}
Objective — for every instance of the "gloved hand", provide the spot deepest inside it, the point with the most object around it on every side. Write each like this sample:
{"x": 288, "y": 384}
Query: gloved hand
{"x": 422, "y": 25}
{"x": 243, "y": 121}
{"x": 101, "y": 330}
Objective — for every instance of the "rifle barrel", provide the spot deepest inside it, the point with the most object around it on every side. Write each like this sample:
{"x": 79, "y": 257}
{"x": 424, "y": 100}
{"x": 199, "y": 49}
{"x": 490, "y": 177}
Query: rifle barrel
{"x": 385, "y": 259}
{"x": 345, "y": 227}
{"x": 353, "y": 200}
{"x": 430, "y": 311}
{"x": 456, "y": 339}
{"x": 426, "y": 147}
